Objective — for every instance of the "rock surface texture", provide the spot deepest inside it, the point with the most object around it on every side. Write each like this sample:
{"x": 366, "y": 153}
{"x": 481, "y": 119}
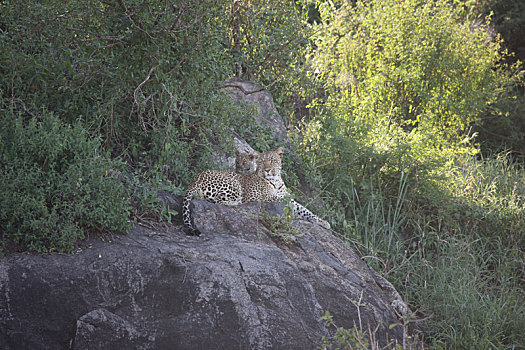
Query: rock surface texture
{"x": 249, "y": 93}
{"x": 233, "y": 287}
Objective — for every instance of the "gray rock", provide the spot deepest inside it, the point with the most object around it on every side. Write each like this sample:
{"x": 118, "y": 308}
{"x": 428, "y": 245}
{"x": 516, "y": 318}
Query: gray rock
{"x": 233, "y": 287}
{"x": 250, "y": 93}
{"x": 101, "y": 329}
{"x": 247, "y": 92}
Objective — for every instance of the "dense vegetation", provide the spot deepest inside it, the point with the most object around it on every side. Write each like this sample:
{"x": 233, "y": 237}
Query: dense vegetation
{"x": 408, "y": 116}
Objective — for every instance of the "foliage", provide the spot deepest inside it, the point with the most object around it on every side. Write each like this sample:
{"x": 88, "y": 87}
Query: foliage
{"x": 142, "y": 75}
{"x": 356, "y": 338}
{"x": 267, "y": 40}
{"x": 462, "y": 266}
{"x": 503, "y": 128}
{"x": 410, "y": 64}
{"x": 509, "y": 20}
{"x": 391, "y": 149}
{"x": 476, "y": 290}
{"x": 405, "y": 78}
{"x": 282, "y": 227}
{"x": 265, "y": 36}
{"x": 504, "y": 131}
{"x": 57, "y": 184}
{"x": 147, "y": 202}
{"x": 345, "y": 338}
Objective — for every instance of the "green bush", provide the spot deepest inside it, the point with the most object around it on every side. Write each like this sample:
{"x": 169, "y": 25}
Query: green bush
{"x": 405, "y": 80}
{"x": 57, "y": 185}
{"x": 411, "y": 63}
{"x": 145, "y": 76}
{"x": 141, "y": 75}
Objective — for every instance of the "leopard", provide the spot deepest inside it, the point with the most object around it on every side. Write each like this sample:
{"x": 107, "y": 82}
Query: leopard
{"x": 246, "y": 163}
{"x": 229, "y": 188}
{"x": 273, "y": 174}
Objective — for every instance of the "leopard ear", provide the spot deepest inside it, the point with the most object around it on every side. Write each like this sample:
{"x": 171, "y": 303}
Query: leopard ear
{"x": 237, "y": 152}
{"x": 280, "y": 151}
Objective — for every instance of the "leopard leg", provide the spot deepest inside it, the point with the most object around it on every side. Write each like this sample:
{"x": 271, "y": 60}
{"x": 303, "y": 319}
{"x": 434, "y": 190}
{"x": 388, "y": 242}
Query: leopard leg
{"x": 305, "y": 214}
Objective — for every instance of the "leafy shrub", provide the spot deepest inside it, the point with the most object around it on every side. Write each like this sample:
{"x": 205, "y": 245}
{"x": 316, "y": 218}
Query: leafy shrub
{"x": 412, "y": 63}
{"x": 405, "y": 80}
{"x": 362, "y": 338}
{"x": 141, "y": 75}
{"x": 353, "y": 338}
{"x": 57, "y": 184}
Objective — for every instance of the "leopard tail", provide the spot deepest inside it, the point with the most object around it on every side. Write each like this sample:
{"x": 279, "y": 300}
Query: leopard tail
{"x": 186, "y": 211}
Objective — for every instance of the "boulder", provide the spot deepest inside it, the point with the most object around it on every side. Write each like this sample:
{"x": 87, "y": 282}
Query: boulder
{"x": 237, "y": 286}
{"x": 249, "y": 93}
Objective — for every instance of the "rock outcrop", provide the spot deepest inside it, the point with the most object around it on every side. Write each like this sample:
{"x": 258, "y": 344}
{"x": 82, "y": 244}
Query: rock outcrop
{"x": 249, "y": 93}
{"x": 234, "y": 287}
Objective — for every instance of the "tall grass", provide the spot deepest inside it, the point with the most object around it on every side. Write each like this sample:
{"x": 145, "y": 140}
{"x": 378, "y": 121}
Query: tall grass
{"x": 461, "y": 265}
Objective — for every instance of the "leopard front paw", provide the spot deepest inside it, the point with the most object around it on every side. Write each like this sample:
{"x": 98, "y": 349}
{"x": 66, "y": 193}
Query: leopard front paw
{"x": 324, "y": 224}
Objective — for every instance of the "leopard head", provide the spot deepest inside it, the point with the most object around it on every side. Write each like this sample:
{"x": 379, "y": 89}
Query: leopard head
{"x": 270, "y": 163}
{"x": 245, "y": 163}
